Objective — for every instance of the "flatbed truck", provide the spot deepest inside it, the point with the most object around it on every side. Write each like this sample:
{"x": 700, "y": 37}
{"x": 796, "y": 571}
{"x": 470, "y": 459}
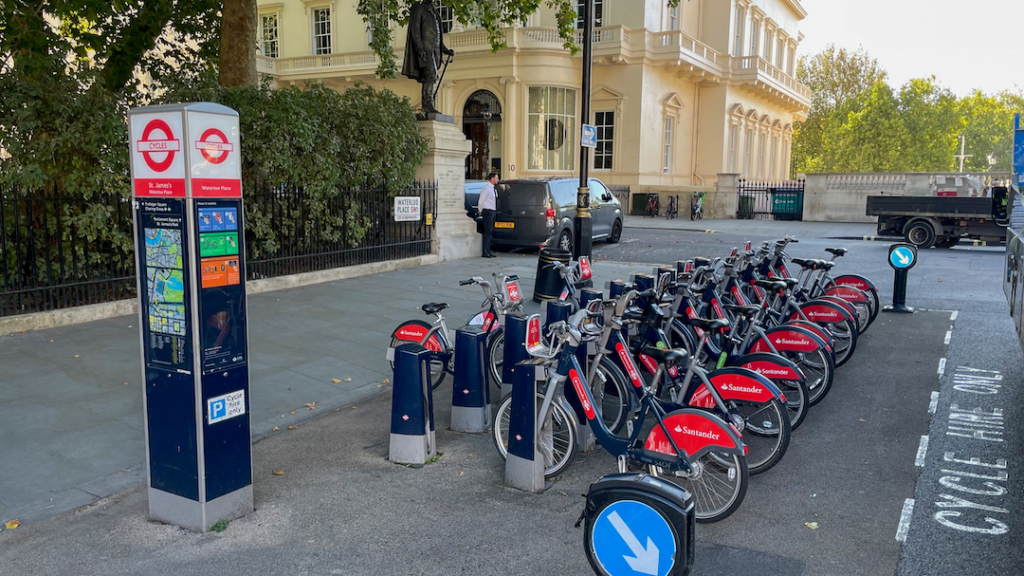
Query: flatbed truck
{"x": 941, "y": 221}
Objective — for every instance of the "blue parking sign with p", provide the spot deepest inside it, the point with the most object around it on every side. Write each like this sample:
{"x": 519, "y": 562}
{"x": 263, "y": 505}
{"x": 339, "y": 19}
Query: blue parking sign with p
{"x": 218, "y": 408}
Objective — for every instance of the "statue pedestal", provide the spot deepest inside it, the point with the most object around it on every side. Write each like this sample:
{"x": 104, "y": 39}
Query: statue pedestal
{"x": 455, "y": 233}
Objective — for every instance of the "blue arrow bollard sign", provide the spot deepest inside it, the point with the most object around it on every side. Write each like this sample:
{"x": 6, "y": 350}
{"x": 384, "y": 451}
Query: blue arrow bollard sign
{"x": 633, "y": 538}
{"x": 902, "y": 256}
{"x": 589, "y": 138}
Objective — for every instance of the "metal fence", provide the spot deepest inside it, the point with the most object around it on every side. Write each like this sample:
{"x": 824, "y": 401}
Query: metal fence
{"x": 58, "y": 252}
{"x": 354, "y": 227}
{"x": 62, "y": 252}
{"x": 762, "y": 200}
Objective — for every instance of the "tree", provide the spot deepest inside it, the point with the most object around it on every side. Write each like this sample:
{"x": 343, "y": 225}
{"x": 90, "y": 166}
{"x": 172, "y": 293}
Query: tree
{"x": 931, "y": 117}
{"x": 237, "y": 61}
{"x": 838, "y": 79}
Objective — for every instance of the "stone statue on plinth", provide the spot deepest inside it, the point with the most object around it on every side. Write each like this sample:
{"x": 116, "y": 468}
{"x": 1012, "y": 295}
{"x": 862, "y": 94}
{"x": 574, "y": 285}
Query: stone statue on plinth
{"x": 424, "y": 46}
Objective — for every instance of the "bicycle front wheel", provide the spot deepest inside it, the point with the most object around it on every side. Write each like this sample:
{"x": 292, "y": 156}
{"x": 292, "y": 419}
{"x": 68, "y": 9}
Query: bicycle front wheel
{"x": 557, "y": 442}
{"x": 766, "y": 432}
{"x": 718, "y": 482}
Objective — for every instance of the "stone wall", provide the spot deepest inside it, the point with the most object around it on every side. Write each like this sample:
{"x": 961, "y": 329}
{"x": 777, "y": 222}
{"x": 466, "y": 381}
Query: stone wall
{"x": 447, "y": 147}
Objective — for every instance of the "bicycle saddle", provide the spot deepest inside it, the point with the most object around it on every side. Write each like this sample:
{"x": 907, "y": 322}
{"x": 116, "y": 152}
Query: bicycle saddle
{"x": 826, "y": 264}
{"x": 434, "y": 307}
{"x": 633, "y": 313}
{"x": 668, "y": 357}
{"x": 790, "y": 282}
{"x": 837, "y": 251}
{"x": 744, "y": 310}
{"x": 805, "y": 262}
{"x": 770, "y": 284}
{"x": 709, "y": 325}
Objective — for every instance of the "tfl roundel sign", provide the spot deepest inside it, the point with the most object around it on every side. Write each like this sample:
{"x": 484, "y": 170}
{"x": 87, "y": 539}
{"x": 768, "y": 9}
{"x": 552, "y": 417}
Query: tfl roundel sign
{"x": 902, "y": 256}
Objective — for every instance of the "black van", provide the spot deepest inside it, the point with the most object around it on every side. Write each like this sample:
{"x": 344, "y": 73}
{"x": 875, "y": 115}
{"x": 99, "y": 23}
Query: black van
{"x": 540, "y": 212}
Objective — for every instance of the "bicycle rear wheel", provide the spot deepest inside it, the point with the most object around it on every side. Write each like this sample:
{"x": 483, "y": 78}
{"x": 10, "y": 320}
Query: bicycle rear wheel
{"x": 766, "y": 432}
{"x": 438, "y": 367}
{"x": 819, "y": 369}
{"x": 557, "y": 437}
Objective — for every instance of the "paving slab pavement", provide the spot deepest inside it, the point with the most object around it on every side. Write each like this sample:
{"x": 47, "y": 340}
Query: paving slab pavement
{"x": 757, "y": 229}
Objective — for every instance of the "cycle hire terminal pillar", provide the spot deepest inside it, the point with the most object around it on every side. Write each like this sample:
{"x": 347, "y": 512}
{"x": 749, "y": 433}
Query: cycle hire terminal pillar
{"x": 515, "y": 350}
{"x": 471, "y": 401}
{"x": 412, "y": 407}
{"x": 902, "y": 257}
{"x": 190, "y": 263}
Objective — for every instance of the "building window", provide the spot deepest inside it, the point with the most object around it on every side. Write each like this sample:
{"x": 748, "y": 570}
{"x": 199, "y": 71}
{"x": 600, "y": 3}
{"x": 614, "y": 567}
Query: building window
{"x": 780, "y": 52}
{"x": 767, "y": 45}
{"x": 605, "y": 124}
{"x": 762, "y": 142}
{"x": 666, "y": 162}
{"x": 598, "y": 13}
{"x": 447, "y": 19}
{"x": 268, "y": 35}
{"x": 774, "y": 157}
{"x": 552, "y": 128}
{"x": 737, "y": 45}
{"x": 748, "y": 145}
{"x": 789, "y": 61}
{"x": 755, "y": 31}
{"x": 673, "y": 19}
{"x": 732, "y": 149}
{"x": 321, "y": 31}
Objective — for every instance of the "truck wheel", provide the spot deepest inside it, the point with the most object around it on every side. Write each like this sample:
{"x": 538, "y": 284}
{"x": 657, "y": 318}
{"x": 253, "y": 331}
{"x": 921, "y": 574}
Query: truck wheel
{"x": 948, "y": 242}
{"x": 921, "y": 234}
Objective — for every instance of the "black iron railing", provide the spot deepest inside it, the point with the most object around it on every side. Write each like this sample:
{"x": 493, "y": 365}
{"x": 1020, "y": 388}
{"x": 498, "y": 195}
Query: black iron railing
{"x": 762, "y": 200}
{"x": 58, "y": 252}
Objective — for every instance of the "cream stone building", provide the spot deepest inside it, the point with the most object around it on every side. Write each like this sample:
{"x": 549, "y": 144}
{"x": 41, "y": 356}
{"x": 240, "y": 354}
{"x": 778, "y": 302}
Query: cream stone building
{"x": 679, "y": 95}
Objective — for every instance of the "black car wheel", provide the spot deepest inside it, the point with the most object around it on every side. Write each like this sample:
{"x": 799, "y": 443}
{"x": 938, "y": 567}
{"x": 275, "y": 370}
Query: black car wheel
{"x": 565, "y": 241}
{"x": 616, "y": 233}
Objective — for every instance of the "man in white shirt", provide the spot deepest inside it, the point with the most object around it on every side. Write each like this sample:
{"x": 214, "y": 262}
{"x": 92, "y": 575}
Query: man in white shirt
{"x": 487, "y": 205}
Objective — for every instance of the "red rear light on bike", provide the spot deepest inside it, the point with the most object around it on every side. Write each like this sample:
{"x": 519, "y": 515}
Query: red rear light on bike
{"x": 550, "y": 213}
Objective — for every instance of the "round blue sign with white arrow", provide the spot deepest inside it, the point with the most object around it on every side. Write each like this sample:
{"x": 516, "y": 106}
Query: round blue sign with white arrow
{"x": 631, "y": 538}
{"x": 902, "y": 256}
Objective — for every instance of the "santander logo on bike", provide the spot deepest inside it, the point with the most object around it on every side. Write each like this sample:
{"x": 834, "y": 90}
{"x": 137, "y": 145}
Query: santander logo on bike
{"x": 581, "y": 392}
{"x": 793, "y": 342}
{"x": 770, "y": 371}
{"x": 745, "y": 389}
{"x": 706, "y": 434}
{"x": 416, "y": 333}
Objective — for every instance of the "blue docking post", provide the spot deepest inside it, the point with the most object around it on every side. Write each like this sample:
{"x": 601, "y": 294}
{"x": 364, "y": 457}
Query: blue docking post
{"x": 588, "y": 295}
{"x": 559, "y": 311}
{"x": 471, "y": 398}
{"x": 662, "y": 270}
{"x": 643, "y": 282}
{"x": 412, "y": 407}
{"x": 524, "y": 465}
{"x": 515, "y": 350}
{"x": 616, "y": 288}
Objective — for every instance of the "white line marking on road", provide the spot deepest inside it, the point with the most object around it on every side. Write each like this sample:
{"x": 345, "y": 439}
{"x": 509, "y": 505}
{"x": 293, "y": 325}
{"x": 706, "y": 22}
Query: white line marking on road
{"x": 953, "y": 315}
{"x": 904, "y": 525}
{"x": 949, "y": 335}
{"x": 942, "y": 366}
{"x": 934, "y": 403}
{"x": 922, "y": 451}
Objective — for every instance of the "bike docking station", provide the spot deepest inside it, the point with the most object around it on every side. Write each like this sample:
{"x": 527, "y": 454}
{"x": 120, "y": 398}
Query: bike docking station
{"x": 515, "y": 350}
{"x": 413, "y": 440}
{"x": 190, "y": 262}
{"x": 524, "y": 464}
{"x": 638, "y": 524}
{"x": 902, "y": 257}
{"x": 471, "y": 398}
{"x": 559, "y": 311}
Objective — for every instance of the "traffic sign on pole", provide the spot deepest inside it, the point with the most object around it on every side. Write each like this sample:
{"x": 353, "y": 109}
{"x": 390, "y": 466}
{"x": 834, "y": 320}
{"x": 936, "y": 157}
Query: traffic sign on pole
{"x": 589, "y": 138}
{"x": 902, "y": 257}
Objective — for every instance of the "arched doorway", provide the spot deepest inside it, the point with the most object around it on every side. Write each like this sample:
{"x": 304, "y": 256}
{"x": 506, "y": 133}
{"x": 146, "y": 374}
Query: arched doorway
{"x": 481, "y": 123}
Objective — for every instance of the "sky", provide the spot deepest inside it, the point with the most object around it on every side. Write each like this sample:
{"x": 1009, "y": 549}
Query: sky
{"x": 965, "y": 44}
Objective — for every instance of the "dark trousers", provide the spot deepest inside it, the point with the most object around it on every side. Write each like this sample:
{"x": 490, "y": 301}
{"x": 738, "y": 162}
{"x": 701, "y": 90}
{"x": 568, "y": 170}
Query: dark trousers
{"x": 488, "y": 229}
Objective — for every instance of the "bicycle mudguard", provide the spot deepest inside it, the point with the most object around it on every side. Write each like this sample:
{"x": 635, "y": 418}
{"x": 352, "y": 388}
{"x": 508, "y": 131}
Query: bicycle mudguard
{"x": 789, "y": 337}
{"x": 856, "y": 281}
{"x": 848, "y": 293}
{"x": 686, "y": 334}
{"x": 771, "y": 366}
{"x": 844, "y": 303}
{"x": 485, "y": 320}
{"x": 733, "y": 383}
{"x": 696, "y": 433}
{"x": 825, "y": 335}
{"x": 416, "y": 331}
{"x": 822, "y": 312}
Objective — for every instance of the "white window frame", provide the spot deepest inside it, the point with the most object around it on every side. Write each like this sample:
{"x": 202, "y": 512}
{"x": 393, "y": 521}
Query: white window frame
{"x": 600, "y": 14}
{"x": 762, "y": 143}
{"x": 568, "y": 118}
{"x": 314, "y": 12}
{"x": 673, "y": 19}
{"x": 748, "y": 147}
{"x": 733, "y": 129}
{"x": 447, "y": 16}
{"x": 668, "y": 139}
{"x": 780, "y": 52}
{"x": 277, "y": 34}
{"x": 755, "y": 34}
{"x": 608, "y": 157}
{"x": 769, "y": 42}
{"x": 738, "y": 36}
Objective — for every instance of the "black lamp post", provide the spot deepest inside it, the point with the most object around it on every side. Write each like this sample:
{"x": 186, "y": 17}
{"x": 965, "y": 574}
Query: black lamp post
{"x": 583, "y": 226}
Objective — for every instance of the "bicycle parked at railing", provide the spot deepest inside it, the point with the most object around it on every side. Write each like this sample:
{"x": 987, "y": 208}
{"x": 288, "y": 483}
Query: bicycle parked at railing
{"x": 691, "y": 447}
{"x": 439, "y": 340}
